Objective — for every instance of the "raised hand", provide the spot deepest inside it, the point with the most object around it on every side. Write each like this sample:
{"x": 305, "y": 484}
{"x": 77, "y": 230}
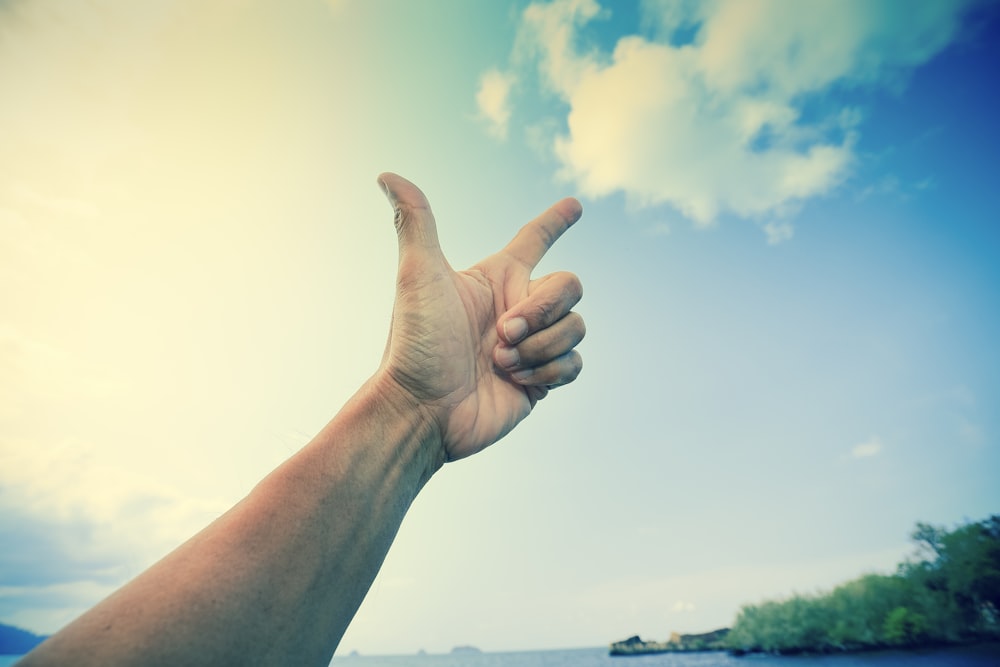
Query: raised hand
{"x": 477, "y": 349}
{"x": 277, "y": 578}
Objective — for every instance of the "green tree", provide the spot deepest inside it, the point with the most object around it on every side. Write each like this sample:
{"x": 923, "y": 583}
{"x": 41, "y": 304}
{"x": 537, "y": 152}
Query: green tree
{"x": 949, "y": 591}
{"x": 972, "y": 568}
{"x": 959, "y": 574}
{"x": 904, "y": 626}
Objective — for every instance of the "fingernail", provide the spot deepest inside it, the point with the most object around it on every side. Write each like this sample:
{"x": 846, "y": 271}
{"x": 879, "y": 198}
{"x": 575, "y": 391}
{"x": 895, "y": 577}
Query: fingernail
{"x": 507, "y": 357}
{"x": 520, "y": 376}
{"x": 514, "y": 329}
{"x": 386, "y": 191}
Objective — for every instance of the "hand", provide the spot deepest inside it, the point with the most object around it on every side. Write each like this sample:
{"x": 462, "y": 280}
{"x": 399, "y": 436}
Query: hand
{"x": 477, "y": 349}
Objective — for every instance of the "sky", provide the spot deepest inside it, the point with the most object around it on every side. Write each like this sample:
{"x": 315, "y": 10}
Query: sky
{"x": 790, "y": 253}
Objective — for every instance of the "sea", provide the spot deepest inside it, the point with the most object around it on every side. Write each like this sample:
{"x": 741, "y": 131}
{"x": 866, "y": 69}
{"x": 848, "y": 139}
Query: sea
{"x": 981, "y": 655}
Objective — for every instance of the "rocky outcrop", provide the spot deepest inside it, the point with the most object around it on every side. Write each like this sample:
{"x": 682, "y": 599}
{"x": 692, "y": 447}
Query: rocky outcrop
{"x": 634, "y": 645}
{"x": 708, "y": 641}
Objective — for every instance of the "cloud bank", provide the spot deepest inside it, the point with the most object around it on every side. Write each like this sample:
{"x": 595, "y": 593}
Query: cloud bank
{"x": 493, "y": 101}
{"x": 719, "y": 107}
{"x": 80, "y": 528}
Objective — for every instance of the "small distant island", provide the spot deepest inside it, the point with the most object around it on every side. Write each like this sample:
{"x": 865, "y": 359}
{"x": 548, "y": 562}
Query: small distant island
{"x": 16, "y": 641}
{"x": 465, "y": 649}
{"x": 948, "y": 593}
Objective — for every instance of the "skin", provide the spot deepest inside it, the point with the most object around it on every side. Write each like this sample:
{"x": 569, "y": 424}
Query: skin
{"x": 278, "y": 578}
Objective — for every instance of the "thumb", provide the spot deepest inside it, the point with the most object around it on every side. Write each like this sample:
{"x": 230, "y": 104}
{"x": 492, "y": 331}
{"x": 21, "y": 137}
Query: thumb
{"x": 413, "y": 218}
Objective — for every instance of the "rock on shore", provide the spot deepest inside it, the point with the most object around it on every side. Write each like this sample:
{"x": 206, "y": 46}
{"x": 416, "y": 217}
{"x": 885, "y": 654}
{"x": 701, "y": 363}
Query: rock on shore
{"x": 708, "y": 641}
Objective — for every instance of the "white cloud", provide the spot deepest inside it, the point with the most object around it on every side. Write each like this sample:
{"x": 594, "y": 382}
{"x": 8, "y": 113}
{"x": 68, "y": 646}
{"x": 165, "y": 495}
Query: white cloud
{"x": 70, "y": 483}
{"x": 46, "y": 608}
{"x": 493, "y": 100}
{"x": 682, "y": 606}
{"x": 716, "y": 124}
{"x": 81, "y": 527}
{"x": 547, "y": 35}
{"x": 870, "y": 447}
{"x": 778, "y": 231}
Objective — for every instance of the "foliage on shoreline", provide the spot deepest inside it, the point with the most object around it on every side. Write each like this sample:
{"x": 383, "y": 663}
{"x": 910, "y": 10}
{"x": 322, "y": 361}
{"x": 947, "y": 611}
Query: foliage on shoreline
{"x": 948, "y": 592}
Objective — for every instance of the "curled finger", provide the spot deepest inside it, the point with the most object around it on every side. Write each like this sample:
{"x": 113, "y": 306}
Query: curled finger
{"x": 551, "y": 300}
{"x": 549, "y": 343}
{"x": 555, "y": 373}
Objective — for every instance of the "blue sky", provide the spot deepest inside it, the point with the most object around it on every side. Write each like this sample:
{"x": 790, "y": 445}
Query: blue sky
{"x": 790, "y": 252}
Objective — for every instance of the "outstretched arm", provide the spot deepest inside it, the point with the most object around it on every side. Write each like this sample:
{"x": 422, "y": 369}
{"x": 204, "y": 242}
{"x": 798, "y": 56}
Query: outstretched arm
{"x": 277, "y": 579}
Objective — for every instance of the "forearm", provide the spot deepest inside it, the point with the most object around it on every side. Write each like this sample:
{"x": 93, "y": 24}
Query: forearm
{"x": 277, "y": 579}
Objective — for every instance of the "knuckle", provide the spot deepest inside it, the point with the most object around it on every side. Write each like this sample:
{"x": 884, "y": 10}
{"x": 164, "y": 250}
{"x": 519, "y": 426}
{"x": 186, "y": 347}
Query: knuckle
{"x": 578, "y": 327}
{"x": 406, "y": 215}
{"x": 545, "y": 313}
{"x": 571, "y": 366}
{"x": 576, "y": 364}
{"x": 557, "y": 302}
{"x": 572, "y": 287}
{"x": 545, "y": 235}
{"x": 555, "y": 343}
{"x": 400, "y": 217}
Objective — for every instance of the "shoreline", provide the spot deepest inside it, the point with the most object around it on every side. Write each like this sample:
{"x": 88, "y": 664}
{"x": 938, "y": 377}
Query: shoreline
{"x": 991, "y": 643}
{"x": 713, "y": 643}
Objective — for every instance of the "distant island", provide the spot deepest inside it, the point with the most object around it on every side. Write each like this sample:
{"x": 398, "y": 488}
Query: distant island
{"x": 465, "y": 649}
{"x": 948, "y": 593}
{"x": 15, "y": 641}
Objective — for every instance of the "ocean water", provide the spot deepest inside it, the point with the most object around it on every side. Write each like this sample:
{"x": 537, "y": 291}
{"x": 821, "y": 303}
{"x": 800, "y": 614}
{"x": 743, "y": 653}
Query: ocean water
{"x": 983, "y": 655}
{"x": 593, "y": 657}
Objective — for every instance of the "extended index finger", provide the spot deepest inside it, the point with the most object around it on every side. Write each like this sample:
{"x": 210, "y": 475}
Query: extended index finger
{"x": 533, "y": 240}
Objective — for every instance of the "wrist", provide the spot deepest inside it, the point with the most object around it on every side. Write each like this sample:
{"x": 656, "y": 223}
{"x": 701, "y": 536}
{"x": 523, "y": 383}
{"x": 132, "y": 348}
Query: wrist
{"x": 418, "y": 419}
